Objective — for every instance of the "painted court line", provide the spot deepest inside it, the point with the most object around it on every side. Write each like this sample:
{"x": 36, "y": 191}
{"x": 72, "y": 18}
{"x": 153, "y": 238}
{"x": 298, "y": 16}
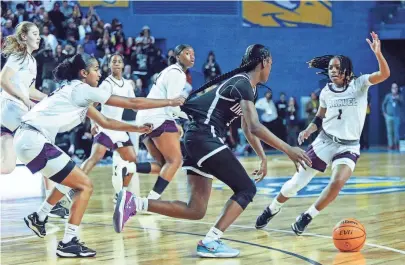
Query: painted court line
{"x": 285, "y": 231}
{"x": 50, "y": 229}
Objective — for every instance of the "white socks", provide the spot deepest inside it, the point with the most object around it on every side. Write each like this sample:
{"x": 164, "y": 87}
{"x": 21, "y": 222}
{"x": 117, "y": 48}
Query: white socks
{"x": 153, "y": 195}
{"x": 44, "y": 210}
{"x": 212, "y": 235}
{"x": 312, "y": 211}
{"x": 275, "y": 206}
{"x": 71, "y": 231}
{"x": 47, "y": 192}
{"x": 141, "y": 204}
{"x": 131, "y": 167}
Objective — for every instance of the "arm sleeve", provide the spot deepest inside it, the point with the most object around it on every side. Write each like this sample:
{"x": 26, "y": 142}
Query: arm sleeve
{"x": 242, "y": 90}
{"x": 84, "y": 95}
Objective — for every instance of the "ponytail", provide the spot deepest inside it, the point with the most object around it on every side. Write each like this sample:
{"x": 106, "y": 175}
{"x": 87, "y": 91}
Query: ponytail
{"x": 14, "y": 44}
{"x": 254, "y": 55}
{"x": 249, "y": 66}
{"x": 172, "y": 60}
{"x": 69, "y": 69}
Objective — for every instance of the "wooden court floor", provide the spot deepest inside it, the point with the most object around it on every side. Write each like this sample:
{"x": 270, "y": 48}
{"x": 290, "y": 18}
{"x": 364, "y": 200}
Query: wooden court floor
{"x": 374, "y": 195}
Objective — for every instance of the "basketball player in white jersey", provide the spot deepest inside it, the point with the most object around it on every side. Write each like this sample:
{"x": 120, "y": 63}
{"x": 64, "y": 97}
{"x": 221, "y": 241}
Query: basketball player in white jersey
{"x": 342, "y": 111}
{"x": 106, "y": 139}
{"x": 62, "y": 111}
{"x": 18, "y": 84}
{"x": 163, "y": 142}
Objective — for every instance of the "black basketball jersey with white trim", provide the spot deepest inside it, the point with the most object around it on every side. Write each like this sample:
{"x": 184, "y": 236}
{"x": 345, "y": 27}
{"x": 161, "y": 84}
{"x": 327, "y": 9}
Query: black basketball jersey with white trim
{"x": 220, "y": 106}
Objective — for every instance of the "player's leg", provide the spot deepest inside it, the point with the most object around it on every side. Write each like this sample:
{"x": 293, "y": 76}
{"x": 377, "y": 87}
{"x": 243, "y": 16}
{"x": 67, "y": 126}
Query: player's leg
{"x": 319, "y": 152}
{"x": 97, "y": 153}
{"x": 8, "y": 156}
{"x": 169, "y": 146}
{"x": 38, "y": 154}
{"x": 61, "y": 207}
{"x": 343, "y": 166}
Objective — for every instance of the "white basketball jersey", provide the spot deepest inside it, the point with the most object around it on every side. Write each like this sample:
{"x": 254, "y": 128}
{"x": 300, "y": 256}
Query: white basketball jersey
{"x": 169, "y": 84}
{"x": 65, "y": 108}
{"x": 345, "y": 109}
{"x": 25, "y": 74}
{"x": 121, "y": 88}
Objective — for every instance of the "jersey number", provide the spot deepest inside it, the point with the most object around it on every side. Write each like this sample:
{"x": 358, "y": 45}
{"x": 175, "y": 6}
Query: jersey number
{"x": 340, "y": 114}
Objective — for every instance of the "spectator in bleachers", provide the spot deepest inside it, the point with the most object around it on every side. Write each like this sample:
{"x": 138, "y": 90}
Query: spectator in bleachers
{"x": 66, "y": 9}
{"x": 145, "y": 39}
{"x": 268, "y": 112}
{"x": 211, "y": 68}
{"x": 281, "y": 106}
{"x": 77, "y": 14}
{"x": 49, "y": 38}
{"x": 8, "y": 29}
{"x": 84, "y": 28}
{"x": 292, "y": 122}
{"x": 391, "y": 108}
{"x": 57, "y": 19}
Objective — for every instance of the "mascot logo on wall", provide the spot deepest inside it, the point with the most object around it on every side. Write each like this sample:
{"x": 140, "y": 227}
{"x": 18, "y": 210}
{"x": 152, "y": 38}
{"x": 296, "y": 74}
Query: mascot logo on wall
{"x": 287, "y": 13}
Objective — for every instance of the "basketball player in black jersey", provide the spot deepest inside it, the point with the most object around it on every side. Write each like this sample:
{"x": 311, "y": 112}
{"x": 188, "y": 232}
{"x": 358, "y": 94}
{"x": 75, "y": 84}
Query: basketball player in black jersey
{"x": 207, "y": 156}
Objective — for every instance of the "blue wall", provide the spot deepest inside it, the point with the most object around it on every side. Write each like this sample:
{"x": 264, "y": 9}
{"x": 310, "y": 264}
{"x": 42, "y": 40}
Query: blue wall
{"x": 290, "y": 47}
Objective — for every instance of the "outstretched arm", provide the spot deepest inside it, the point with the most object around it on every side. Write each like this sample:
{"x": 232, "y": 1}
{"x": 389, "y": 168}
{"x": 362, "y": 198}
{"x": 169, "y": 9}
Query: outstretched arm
{"x": 297, "y": 155}
{"x": 112, "y": 124}
{"x": 35, "y": 94}
{"x": 384, "y": 70}
{"x": 143, "y": 103}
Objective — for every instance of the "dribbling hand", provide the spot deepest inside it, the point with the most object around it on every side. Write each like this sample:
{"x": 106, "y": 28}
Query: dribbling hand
{"x": 303, "y": 136}
{"x": 262, "y": 172}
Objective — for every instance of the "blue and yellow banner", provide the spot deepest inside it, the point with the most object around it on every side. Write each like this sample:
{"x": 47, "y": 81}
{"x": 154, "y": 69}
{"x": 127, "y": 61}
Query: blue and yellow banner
{"x": 287, "y": 13}
{"x": 106, "y": 3}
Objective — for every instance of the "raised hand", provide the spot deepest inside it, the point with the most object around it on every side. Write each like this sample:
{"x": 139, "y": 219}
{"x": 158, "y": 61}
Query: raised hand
{"x": 375, "y": 44}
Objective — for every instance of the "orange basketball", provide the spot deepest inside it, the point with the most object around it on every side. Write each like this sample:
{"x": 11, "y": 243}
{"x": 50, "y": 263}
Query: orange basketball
{"x": 349, "y": 235}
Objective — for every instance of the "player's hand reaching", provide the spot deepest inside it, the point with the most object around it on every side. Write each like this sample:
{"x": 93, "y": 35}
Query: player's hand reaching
{"x": 299, "y": 157}
{"x": 146, "y": 128}
{"x": 262, "y": 172}
{"x": 94, "y": 129}
{"x": 27, "y": 102}
{"x": 375, "y": 44}
{"x": 304, "y": 135}
{"x": 179, "y": 101}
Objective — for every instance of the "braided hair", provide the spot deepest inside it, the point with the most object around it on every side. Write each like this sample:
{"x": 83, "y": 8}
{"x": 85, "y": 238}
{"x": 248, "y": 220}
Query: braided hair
{"x": 254, "y": 55}
{"x": 346, "y": 66}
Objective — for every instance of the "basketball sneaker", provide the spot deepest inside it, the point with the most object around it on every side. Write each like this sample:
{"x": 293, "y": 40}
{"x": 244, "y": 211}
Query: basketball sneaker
{"x": 33, "y": 223}
{"x": 216, "y": 249}
{"x": 59, "y": 211}
{"x": 124, "y": 209}
{"x": 73, "y": 249}
{"x": 263, "y": 219}
{"x": 301, "y": 223}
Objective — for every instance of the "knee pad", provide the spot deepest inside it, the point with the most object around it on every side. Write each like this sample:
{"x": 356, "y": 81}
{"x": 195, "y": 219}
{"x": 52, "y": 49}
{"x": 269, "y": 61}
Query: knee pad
{"x": 297, "y": 182}
{"x": 245, "y": 196}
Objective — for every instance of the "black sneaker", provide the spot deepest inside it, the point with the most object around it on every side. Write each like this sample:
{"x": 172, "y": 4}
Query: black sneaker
{"x": 301, "y": 223}
{"x": 264, "y": 218}
{"x": 73, "y": 249}
{"x": 35, "y": 225}
{"x": 59, "y": 211}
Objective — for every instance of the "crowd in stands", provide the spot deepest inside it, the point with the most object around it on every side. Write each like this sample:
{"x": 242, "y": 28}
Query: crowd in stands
{"x": 67, "y": 30}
